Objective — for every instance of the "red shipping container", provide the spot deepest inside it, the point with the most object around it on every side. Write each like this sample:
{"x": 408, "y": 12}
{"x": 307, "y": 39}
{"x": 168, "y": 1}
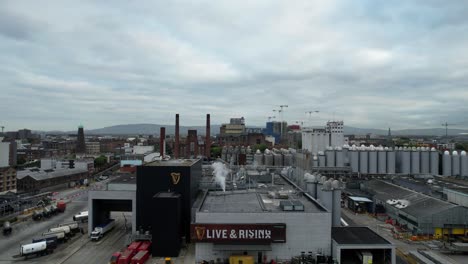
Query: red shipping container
{"x": 141, "y": 257}
{"x": 145, "y": 245}
{"x": 134, "y": 246}
{"x": 126, "y": 257}
{"x": 115, "y": 258}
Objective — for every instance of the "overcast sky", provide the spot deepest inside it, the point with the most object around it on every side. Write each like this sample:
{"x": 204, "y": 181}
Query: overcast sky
{"x": 374, "y": 64}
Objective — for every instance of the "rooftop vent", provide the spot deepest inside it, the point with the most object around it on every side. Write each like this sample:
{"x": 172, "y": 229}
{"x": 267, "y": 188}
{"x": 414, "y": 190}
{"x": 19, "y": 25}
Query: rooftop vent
{"x": 298, "y": 206}
{"x": 286, "y": 206}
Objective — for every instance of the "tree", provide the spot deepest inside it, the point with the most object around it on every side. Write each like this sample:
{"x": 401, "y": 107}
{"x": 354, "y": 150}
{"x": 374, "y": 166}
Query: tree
{"x": 216, "y": 151}
{"x": 100, "y": 161}
{"x": 261, "y": 147}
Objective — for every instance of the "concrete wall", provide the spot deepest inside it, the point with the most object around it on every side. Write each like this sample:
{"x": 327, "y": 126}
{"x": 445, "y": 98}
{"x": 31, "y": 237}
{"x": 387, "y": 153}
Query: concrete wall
{"x": 110, "y": 195}
{"x": 304, "y": 232}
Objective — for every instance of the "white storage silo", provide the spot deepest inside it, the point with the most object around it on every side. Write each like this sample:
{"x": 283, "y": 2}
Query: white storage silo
{"x": 455, "y": 164}
{"x": 330, "y": 157}
{"x": 434, "y": 161}
{"x": 463, "y": 164}
{"x": 415, "y": 159}
{"x": 339, "y": 157}
{"x": 321, "y": 159}
{"x": 363, "y": 160}
{"x": 391, "y": 164}
{"x": 354, "y": 159}
{"x": 268, "y": 158}
{"x": 372, "y": 160}
{"x": 446, "y": 164}
{"x": 278, "y": 159}
{"x": 346, "y": 153}
{"x": 382, "y": 161}
{"x": 398, "y": 153}
{"x": 315, "y": 162}
{"x": 311, "y": 184}
{"x": 406, "y": 161}
{"x": 258, "y": 158}
{"x": 336, "y": 211}
{"x": 287, "y": 159}
{"x": 425, "y": 168}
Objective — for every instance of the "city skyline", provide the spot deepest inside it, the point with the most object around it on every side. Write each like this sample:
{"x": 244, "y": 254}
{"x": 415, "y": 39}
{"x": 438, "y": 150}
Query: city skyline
{"x": 371, "y": 64}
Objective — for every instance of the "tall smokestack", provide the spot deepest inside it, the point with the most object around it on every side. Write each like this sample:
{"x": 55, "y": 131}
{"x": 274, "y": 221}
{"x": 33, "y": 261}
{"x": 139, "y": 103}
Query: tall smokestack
{"x": 162, "y": 141}
{"x": 176, "y": 147}
{"x": 208, "y": 138}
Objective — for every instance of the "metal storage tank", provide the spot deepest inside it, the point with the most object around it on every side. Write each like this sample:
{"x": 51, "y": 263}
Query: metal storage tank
{"x": 463, "y": 164}
{"x": 425, "y": 168}
{"x": 346, "y": 153}
{"x": 398, "y": 154}
{"x": 434, "y": 161}
{"x": 321, "y": 159}
{"x": 339, "y": 157}
{"x": 382, "y": 161}
{"x": 315, "y": 162}
{"x": 311, "y": 184}
{"x": 330, "y": 157}
{"x": 258, "y": 158}
{"x": 354, "y": 159}
{"x": 268, "y": 158}
{"x": 363, "y": 160}
{"x": 336, "y": 210}
{"x": 288, "y": 159}
{"x": 406, "y": 161}
{"x": 415, "y": 159}
{"x": 446, "y": 164}
{"x": 278, "y": 159}
{"x": 372, "y": 160}
{"x": 391, "y": 161}
{"x": 455, "y": 164}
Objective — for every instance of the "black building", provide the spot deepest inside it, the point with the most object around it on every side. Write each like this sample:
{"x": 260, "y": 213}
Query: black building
{"x": 177, "y": 176}
{"x": 80, "y": 143}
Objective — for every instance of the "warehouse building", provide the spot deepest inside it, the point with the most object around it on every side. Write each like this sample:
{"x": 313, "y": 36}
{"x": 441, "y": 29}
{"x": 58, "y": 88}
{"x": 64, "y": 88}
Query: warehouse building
{"x": 420, "y": 213}
{"x": 35, "y": 179}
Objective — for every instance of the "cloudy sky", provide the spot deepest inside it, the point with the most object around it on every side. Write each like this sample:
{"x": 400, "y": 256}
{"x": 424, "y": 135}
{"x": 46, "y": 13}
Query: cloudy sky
{"x": 374, "y": 64}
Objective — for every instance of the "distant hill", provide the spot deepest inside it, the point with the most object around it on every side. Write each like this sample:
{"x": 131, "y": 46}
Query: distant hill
{"x": 153, "y": 129}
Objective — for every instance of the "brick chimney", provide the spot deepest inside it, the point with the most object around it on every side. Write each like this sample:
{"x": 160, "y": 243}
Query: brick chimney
{"x": 176, "y": 146}
{"x": 208, "y": 138}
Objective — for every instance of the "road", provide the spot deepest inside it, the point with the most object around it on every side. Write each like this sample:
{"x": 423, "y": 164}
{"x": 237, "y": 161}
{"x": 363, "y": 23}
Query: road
{"x": 381, "y": 229}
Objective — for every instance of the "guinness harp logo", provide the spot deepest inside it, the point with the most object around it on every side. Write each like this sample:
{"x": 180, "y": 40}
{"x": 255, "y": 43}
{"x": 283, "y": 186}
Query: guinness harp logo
{"x": 200, "y": 232}
{"x": 175, "y": 178}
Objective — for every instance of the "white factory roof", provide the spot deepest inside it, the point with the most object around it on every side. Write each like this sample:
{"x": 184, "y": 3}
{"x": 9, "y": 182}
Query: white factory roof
{"x": 360, "y": 199}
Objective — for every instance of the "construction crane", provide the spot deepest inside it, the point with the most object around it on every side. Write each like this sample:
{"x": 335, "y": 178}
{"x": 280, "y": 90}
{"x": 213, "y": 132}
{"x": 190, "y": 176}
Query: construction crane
{"x": 446, "y": 125}
{"x": 271, "y": 117}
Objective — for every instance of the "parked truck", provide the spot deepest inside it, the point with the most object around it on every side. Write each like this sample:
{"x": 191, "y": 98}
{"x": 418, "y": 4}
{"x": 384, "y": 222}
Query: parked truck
{"x": 126, "y": 257}
{"x": 100, "y": 230}
{"x": 38, "y": 249}
{"x": 6, "y": 228}
{"x": 38, "y": 214}
{"x": 115, "y": 258}
{"x": 61, "y": 206}
{"x": 65, "y": 229}
{"x": 60, "y": 235}
{"x": 81, "y": 217}
{"x": 74, "y": 228}
{"x": 141, "y": 257}
{"x": 51, "y": 241}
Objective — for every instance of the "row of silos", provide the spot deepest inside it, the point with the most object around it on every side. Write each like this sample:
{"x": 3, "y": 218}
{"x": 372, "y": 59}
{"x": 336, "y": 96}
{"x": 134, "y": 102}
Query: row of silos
{"x": 281, "y": 157}
{"x": 455, "y": 164}
{"x": 419, "y": 160}
{"x": 371, "y": 160}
